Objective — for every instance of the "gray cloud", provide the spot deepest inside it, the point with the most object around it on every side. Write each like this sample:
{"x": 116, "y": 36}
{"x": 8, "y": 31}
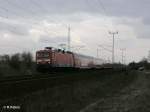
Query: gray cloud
{"x": 15, "y": 29}
{"x": 51, "y": 40}
{"x": 38, "y": 9}
{"x": 30, "y": 14}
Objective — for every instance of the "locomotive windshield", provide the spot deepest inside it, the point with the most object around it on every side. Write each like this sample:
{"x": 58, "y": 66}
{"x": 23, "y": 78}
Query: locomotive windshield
{"x": 42, "y": 55}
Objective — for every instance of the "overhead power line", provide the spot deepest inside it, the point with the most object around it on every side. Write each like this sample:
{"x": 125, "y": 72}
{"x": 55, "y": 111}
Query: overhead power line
{"x": 106, "y": 11}
{"x": 113, "y": 45}
{"x": 38, "y": 5}
{"x": 17, "y": 14}
{"x": 20, "y": 7}
{"x": 105, "y": 48}
{"x": 69, "y": 38}
{"x": 123, "y": 55}
{"x": 103, "y": 7}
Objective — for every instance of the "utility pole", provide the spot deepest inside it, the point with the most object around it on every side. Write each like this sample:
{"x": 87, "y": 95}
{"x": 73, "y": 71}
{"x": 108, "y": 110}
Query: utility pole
{"x": 122, "y": 55}
{"x": 97, "y": 53}
{"x": 148, "y": 56}
{"x": 69, "y": 38}
{"x": 102, "y": 48}
{"x": 113, "y": 45}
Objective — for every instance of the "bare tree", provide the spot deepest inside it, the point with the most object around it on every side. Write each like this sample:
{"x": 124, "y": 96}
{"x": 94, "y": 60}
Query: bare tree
{"x": 15, "y": 61}
{"x": 27, "y": 59}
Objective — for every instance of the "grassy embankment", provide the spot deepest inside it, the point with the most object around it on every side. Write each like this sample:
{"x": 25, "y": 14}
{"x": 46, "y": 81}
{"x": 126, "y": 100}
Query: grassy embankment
{"x": 76, "y": 93}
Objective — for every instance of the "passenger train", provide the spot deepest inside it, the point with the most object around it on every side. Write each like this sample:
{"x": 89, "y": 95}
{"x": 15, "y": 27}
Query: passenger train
{"x": 50, "y": 58}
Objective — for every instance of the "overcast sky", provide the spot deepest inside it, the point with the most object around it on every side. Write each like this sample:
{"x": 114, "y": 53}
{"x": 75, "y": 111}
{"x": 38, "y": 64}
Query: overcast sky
{"x": 30, "y": 25}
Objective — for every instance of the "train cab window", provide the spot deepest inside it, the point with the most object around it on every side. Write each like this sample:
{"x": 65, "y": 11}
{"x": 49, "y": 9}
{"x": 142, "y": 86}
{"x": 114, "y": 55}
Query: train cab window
{"x": 42, "y": 54}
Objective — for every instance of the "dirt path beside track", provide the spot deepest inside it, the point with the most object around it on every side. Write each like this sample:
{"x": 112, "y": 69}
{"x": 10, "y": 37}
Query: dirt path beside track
{"x": 134, "y": 98}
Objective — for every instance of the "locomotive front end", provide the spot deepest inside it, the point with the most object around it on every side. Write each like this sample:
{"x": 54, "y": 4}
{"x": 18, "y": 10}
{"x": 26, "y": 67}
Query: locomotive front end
{"x": 43, "y": 60}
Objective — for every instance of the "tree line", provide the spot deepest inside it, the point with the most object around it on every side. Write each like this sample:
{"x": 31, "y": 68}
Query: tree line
{"x": 16, "y": 64}
{"x": 144, "y": 63}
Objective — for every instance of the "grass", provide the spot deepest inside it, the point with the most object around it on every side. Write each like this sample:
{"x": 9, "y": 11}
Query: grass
{"x": 75, "y": 92}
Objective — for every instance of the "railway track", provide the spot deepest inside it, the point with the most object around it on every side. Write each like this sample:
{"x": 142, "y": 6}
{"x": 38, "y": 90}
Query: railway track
{"x": 21, "y": 85}
{"x": 15, "y": 79}
{"x": 40, "y": 76}
{"x": 17, "y": 86}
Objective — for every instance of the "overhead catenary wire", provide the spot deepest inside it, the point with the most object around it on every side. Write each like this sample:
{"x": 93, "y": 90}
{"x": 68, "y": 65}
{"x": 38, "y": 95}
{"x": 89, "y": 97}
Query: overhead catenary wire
{"x": 97, "y": 9}
{"x": 17, "y": 14}
{"x": 123, "y": 55}
{"x": 105, "y": 48}
{"x": 23, "y": 9}
{"x": 106, "y": 12}
{"x": 103, "y": 7}
{"x": 20, "y": 7}
{"x": 110, "y": 32}
{"x": 38, "y": 5}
